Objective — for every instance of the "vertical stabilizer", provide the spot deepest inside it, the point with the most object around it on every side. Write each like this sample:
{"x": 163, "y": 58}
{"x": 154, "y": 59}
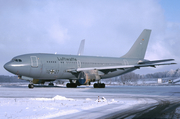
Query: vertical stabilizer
{"x": 81, "y": 48}
{"x": 138, "y": 49}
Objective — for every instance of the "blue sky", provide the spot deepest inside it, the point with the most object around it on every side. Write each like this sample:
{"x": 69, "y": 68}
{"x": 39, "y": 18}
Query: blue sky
{"x": 171, "y": 9}
{"x": 109, "y": 27}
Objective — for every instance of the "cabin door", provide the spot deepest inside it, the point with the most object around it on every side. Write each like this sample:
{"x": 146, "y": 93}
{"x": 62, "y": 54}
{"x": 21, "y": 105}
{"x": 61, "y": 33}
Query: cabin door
{"x": 36, "y": 67}
{"x": 34, "y": 62}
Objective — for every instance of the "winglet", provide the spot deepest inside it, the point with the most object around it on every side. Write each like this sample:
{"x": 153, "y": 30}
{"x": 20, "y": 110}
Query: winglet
{"x": 81, "y": 48}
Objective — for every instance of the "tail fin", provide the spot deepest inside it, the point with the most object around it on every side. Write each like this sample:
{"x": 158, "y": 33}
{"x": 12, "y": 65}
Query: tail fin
{"x": 138, "y": 49}
{"x": 81, "y": 48}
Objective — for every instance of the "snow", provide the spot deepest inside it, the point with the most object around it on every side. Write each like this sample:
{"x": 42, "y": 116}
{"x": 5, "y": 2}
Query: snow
{"x": 19, "y": 102}
{"x": 38, "y": 108}
{"x": 57, "y": 97}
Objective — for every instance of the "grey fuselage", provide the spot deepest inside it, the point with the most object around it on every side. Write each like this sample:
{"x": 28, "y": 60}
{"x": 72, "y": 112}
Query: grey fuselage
{"x": 55, "y": 66}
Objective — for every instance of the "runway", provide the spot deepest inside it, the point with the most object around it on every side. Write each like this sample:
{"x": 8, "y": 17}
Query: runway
{"x": 82, "y": 102}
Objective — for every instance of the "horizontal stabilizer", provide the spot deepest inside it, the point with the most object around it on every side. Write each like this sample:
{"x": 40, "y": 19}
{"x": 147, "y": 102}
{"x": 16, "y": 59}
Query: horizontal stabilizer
{"x": 153, "y": 65}
{"x": 155, "y": 61}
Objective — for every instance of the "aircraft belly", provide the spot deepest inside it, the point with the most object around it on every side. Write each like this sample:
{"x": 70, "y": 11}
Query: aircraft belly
{"x": 68, "y": 76}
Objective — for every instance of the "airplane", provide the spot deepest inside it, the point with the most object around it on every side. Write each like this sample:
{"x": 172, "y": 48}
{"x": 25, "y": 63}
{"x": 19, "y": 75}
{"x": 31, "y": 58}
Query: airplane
{"x": 39, "y": 68}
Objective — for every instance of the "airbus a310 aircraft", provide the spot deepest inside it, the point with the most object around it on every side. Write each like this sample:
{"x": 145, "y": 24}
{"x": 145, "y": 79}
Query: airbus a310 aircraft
{"x": 39, "y": 68}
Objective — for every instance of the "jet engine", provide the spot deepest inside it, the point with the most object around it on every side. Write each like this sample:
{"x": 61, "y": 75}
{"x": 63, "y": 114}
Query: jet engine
{"x": 81, "y": 78}
{"x": 85, "y": 77}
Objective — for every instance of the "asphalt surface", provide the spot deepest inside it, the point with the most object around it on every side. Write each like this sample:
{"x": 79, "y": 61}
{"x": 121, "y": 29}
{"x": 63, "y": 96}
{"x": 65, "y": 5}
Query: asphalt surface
{"x": 164, "y": 109}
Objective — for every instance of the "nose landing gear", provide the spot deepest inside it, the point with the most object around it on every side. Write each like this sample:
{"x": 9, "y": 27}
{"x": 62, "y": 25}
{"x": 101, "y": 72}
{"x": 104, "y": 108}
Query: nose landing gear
{"x": 31, "y": 86}
{"x": 51, "y": 84}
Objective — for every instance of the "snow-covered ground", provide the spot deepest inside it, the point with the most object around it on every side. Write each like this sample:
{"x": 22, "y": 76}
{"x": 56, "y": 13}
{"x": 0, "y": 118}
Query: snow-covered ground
{"x": 45, "y": 107}
{"x": 29, "y": 108}
{"x": 19, "y": 102}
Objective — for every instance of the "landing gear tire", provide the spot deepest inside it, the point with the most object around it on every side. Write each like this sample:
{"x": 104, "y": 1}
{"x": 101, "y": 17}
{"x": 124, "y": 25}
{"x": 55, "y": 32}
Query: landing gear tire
{"x": 31, "y": 86}
{"x": 71, "y": 85}
{"x": 51, "y": 84}
{"x": 99, "y": 85}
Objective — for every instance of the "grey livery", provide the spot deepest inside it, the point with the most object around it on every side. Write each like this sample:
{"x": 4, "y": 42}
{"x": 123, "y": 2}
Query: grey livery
{"x": 39, "y": 68}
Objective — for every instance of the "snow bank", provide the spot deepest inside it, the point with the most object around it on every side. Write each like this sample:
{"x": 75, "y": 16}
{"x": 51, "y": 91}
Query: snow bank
{"x": 57, "y": 97}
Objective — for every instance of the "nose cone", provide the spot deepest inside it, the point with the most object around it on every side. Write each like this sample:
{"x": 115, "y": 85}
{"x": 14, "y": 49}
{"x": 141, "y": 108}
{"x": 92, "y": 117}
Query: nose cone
{"x": 9, "y": 67}
{"x": 17, "y": 68}
{"x": 6, "y": 66}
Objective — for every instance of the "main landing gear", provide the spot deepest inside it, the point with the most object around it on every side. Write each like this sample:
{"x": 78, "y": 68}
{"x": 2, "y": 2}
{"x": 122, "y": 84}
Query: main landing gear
{"x": 31, "y": 86}
{"x": 71, "y": 85}
{"x": 51, "y": 84}
{"x": 99, "y": 85}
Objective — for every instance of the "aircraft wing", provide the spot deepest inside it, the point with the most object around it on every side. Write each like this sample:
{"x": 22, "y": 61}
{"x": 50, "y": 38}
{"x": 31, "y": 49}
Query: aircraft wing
{"x": 122, "y": 67}
{"x": 152, "y": 65}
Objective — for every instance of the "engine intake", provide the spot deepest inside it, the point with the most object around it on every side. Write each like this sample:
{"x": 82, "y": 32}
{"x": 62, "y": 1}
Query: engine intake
{"x": 82, "y": 78}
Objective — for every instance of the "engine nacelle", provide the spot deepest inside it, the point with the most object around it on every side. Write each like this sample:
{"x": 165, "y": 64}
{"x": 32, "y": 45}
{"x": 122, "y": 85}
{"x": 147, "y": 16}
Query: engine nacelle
{"x": 85, "y": 77}
{"x": 82, "y": 78}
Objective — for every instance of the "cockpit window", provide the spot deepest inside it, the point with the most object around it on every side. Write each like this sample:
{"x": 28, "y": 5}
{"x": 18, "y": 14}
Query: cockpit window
{"x": 16, "y": 60}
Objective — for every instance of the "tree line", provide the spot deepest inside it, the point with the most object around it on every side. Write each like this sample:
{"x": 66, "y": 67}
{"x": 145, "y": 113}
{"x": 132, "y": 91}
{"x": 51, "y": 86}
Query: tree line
{"x": 133, "y": 77}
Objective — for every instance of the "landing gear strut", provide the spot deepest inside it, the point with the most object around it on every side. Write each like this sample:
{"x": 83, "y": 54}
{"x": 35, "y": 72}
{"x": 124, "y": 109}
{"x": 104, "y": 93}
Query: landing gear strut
{"x": 31, "y": 86}
{"x": 99, "y": 85}
{"x": 71, "y": 85}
